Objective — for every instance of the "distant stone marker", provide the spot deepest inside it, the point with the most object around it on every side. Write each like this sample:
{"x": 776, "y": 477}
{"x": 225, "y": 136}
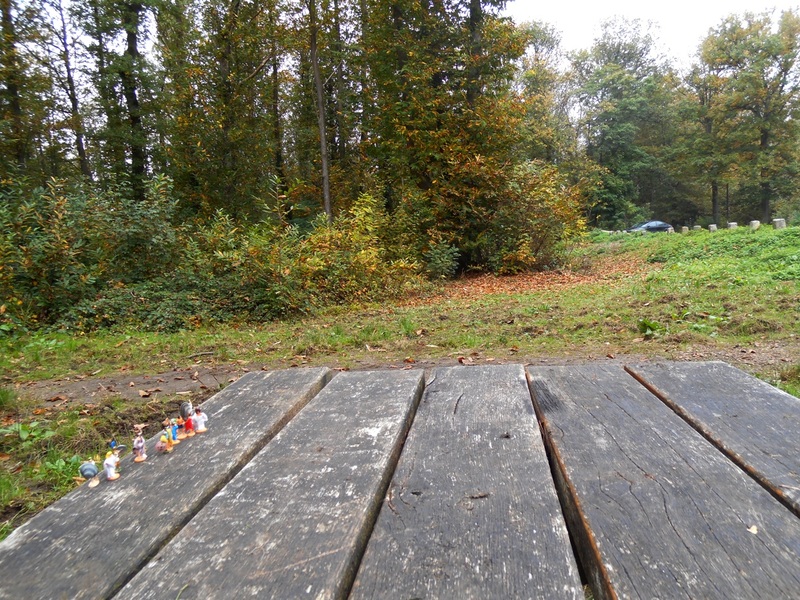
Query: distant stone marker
{"x": 712, "y": 227}
{"x": 755, "y": 225}
{"x": 732, "y": 225}
{"x": 684, "y": 229}
{"x": 779, "y": 223}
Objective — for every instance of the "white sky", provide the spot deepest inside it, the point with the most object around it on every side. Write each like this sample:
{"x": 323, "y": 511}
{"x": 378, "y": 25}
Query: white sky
{"x": 680, "y": 25}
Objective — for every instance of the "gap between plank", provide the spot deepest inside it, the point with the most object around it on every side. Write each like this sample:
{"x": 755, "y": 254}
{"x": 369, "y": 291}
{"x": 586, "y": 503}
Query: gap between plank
{"x": 732, "y": 456}
{"x": 246, "y": 458}
{"x": 584, "y": 546}
{"x": 377, "y": 501}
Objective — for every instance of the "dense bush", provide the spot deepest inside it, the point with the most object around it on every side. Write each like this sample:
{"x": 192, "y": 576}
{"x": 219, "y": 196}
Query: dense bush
{"x": 229, "y": 273}
{"x": 540, "y": 211}
{"x": 61, "y": 245}
{"x": 83, "y": 258}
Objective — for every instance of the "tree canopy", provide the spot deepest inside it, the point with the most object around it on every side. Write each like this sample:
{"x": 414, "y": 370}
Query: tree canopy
{"x": 480, "y": 144}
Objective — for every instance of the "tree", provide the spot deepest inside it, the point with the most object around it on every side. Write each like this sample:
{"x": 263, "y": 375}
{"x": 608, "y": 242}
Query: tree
{"x": 625, "y": 99}
{"x": 123, "y": 79}
{"x": 313, "y": 32}
{"x": 448, "y": 122}
{"x": 60, "y": 48}
{"x": 758, "y": 105}
{"x": 25, "y": 115}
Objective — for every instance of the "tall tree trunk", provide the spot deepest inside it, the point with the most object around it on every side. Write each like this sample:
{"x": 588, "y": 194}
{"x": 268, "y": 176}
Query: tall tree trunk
{"x": 318, "y": 85}
{"x": 127, "y": 76}
{"x": 12, "y": 81}
{"x": 715, "y": 200}
{"x": 765, "y": 186}
{"x": 475, "y": 51}
{"x": 366, "y": 101}
{"x": 341, "y": 134}
{"x": 75, "y": 113}
{"x": 275, "y": 110}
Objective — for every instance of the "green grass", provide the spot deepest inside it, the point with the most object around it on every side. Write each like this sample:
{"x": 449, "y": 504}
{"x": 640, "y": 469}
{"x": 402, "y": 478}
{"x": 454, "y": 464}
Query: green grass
{"x": 727, "y": 288}
{"x": 731, "y": 292}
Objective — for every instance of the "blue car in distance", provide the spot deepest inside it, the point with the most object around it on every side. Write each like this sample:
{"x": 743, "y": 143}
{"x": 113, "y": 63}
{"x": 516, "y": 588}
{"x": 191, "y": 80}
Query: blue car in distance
{"x": 650, "y": 227}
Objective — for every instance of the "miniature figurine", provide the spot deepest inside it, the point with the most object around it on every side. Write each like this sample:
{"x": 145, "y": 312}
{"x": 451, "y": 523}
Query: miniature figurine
{"x": 111, "y": 463}
{"x": 139, "y": 450}
{"x": 200, "y": 418}
{"x": 164, "y": 443}
{"x": 89, "y": 470}
{"x": 181, "y": 428}
{"x": 188, "y": 426}
{"x": 187, "y": 412}
{"x": 173, "y": 424}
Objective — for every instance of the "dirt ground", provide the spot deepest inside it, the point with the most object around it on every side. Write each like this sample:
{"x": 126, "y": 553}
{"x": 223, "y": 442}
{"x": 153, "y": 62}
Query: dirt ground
{"x": 201, "y": 379}
{"x": 198, "y": 381}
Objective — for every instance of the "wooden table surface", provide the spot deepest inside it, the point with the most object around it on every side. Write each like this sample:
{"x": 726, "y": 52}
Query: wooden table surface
{"x": 652, "y": 480}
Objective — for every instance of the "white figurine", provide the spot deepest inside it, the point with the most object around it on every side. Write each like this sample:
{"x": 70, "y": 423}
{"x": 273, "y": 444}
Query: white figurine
{"x": 199, "y": 419}
{"x": 111, "y": 463}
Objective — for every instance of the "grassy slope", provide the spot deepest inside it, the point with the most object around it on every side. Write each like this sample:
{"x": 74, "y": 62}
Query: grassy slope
{"x": 730, "y": 295}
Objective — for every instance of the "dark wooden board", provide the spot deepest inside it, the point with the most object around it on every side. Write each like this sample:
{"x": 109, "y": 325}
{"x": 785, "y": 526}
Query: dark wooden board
{"x": 472, "y": 511}
{"x": 295, "y": 521}
{"x": 755, "y": 424}
{"x": 92, "y": 541}
{"x": 656, "y": 510}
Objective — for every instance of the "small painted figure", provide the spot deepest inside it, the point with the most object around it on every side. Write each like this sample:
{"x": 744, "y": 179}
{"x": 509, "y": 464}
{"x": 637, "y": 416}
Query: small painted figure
{"x": 139, "y": 450}
{"x": 187, "y": 413}
{"x": 111, "y": 463}
{"x": 188, "y": 426}
{"x": 200, "y": 418}
{"x": 164, "y": 443}
{"x": 89, "y": 471}
{"x": 181, "y": 428}
{"x": 173, "y": 425}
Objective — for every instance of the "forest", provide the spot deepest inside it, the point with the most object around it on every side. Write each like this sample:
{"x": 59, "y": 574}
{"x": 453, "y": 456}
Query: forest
{"x": 170, "y": 163}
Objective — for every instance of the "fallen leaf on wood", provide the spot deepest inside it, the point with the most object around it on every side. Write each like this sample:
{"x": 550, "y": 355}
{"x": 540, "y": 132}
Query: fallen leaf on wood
{"x": 58, "y": 398}
{"x": 144, "y": 393}
{"x": 753, "y": 529}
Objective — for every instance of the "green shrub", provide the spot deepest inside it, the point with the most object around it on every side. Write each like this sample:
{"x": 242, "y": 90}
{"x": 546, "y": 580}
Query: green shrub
{"x": 61, "y": 245}
{"x": 441, "y": 261}
{"x": 538, "y": 214}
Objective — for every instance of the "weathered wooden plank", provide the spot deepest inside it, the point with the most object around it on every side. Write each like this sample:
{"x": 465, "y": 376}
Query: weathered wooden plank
{"x": 90, "y": 542}
{"x": 294, "y": 522}
{"x": 755, "y": 424}
{"x": 657, "y": 511}
{"x": 472, "y": 511}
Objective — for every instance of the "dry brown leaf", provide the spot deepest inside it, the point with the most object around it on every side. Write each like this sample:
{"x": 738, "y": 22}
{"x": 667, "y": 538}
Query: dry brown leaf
{"x": 144, "y": 393}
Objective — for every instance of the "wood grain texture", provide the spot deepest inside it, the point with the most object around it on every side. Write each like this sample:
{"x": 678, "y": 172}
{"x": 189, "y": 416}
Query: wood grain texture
{"x": 755, "y": 424}
{"x": 472, "y": 510}
{"x": 658, "y": 512}
{"x": 294, "y": 522}
{"x": 90, "y": 542}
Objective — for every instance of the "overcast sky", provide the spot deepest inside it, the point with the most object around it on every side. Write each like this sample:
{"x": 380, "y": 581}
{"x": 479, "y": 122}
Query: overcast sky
{"x": 680, "y": 25}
